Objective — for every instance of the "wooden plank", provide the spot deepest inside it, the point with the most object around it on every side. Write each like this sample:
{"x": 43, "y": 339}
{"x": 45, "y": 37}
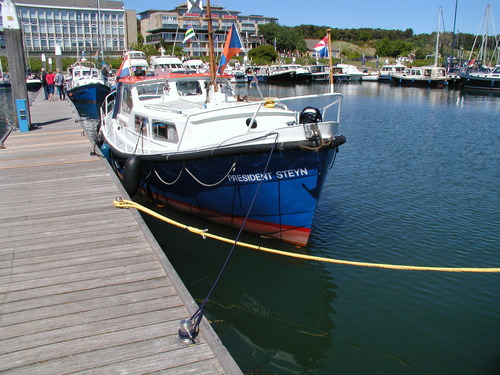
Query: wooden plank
{"x": 66, "y": 308}
{"x": 102, "y": 361}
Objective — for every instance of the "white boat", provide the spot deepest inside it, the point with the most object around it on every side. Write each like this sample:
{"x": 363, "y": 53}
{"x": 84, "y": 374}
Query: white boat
{"x": 166, "y": 65}
{"x": 86, "y": 83}
{"x": 352, "y": 71}
{"x": 387, "y": 71}
{"x": 196, "y": 66}
{"x": 371, "y": 76}
{"x": 199, "y": 148}
{"x": 423, "y": 76}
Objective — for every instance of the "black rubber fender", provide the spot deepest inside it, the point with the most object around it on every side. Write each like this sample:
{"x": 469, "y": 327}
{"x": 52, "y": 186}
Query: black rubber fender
{"x": 132, "y": 175}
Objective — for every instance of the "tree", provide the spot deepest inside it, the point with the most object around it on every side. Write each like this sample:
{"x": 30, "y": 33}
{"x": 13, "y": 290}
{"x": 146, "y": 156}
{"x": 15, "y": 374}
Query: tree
{"x": 263, "y": 55}
{"x": 287, "y": 38}
{"x": 386, "y": 47}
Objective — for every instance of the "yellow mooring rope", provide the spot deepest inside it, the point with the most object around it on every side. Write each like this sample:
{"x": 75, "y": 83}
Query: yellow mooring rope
{"x": 122, "y": 203}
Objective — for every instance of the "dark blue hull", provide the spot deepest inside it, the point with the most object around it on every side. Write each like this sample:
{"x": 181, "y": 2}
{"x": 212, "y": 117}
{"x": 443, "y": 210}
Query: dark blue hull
{"x": 91, "y": 93}
{"x": 481, "y": 83}
{"x": 223, "y": 188}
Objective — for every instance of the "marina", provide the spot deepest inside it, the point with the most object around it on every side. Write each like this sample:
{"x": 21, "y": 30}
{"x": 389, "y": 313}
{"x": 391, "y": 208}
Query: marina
{"x": 227, "y": 214}
{"x": 84, "y": 287}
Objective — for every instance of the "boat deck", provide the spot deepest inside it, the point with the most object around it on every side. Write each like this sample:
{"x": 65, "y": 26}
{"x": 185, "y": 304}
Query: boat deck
{"x": 84, "y": 287}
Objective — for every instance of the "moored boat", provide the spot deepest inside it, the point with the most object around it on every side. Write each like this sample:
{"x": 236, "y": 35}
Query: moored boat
{"x": 33, "y": 83}
{"x": 370, "y": 76}
{"x": 387, "y": 71}
{"x": 338, "y": 74}
{"x": 423, "y": 76}
{"x": 199, "y": 148}
{"x": 352, "y": 71}
{"x": 4, "y": 82}
{"x": 166, "y": 65}
{"x": 318, "y": 72}
{"x": 290, "y": 73}
{"x": 86, "y": 83}
{"x": 481, "y": 80}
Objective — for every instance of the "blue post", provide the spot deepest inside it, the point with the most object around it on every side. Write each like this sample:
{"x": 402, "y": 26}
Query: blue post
{"x": 23, "y": 118}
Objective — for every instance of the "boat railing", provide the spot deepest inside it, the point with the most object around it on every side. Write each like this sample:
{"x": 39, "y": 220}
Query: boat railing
{"x": 284, "y": 102}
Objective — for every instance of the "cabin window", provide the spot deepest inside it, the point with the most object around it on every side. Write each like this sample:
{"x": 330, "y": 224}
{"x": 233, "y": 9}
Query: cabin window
{"x": 126, "y": 99}
{"x": 165, "y": 131}
{"x": 427, "y": 72}
{"x": 149, "y": 91}
{"x": 188, "y": 88}
{"x": 141, "y": 124}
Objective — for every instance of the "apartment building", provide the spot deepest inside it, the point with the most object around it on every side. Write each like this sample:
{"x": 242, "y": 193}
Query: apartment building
{"x": 171, "y": 25}
{"x": 77, "y": 27}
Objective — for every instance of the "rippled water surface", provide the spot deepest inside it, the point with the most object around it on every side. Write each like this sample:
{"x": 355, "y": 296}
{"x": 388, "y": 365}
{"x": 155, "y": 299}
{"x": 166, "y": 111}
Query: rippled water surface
{"x": 416, "y": 183}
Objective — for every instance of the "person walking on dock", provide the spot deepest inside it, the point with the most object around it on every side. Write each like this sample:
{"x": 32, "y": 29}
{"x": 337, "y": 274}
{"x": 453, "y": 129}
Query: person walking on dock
{"x": 49, "y": 79}
{"x": 44, "y": 84}
{"x": 59, "y": 83}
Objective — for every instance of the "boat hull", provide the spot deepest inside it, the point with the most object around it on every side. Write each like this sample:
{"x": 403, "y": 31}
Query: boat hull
{"x": 419, "y": 82}
{"x": 89, "y": 93}
{"x": 289, "y": 77}
{"x": 481, "y": 83}
{"x": 280, "y": 200}
{"x": 33, "y": 86}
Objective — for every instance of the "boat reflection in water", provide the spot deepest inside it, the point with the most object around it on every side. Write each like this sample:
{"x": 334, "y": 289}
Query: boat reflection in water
{"x": 88, "y": 110}
{"x": 288, "y": 308}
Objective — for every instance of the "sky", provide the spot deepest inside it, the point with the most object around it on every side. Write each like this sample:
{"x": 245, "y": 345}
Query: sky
{"x": 422, "y": 16}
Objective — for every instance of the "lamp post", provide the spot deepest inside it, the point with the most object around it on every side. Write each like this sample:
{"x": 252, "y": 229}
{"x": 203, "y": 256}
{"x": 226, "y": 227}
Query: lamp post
{"x": 44, "y": 61}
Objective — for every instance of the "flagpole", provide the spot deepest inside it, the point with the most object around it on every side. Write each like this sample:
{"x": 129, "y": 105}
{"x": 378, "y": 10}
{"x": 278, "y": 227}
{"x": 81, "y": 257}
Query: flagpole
{"x": 213, "y": 70}
{"x": 328, "y": 31}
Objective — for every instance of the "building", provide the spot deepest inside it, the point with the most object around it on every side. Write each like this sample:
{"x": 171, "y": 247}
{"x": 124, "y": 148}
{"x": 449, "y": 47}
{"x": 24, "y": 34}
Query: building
{"x": 171, "y": 25}
{"x": 83, "y": 26}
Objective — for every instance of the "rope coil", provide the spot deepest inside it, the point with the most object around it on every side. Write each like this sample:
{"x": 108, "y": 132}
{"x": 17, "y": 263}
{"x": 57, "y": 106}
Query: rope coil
{"x": 122, "y": 203}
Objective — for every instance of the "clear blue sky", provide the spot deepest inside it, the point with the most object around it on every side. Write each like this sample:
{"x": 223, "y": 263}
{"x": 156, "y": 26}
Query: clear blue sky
{"x": 419, "y": 15}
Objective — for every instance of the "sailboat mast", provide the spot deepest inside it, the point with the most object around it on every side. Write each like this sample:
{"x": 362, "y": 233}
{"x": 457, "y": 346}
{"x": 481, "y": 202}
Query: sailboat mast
{"x": 437, "y": 39}
{"x": 454, "y": 27}
{"x": 211, "y": 46}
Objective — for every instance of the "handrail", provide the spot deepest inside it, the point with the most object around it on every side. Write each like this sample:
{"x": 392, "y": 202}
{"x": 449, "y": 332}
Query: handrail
{"x": 261, "y": 104}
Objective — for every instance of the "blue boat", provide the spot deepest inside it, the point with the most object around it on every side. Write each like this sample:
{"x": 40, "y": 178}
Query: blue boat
{"x": 197, "y": 147}
{"x": 86, "y": 83}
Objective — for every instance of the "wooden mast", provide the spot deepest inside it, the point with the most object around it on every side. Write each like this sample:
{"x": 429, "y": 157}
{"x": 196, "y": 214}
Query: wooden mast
{"x": 330, "y": 58}
{"x": 213, "y": 68}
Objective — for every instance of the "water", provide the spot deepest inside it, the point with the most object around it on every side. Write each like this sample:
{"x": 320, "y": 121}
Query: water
{"x": 7, "y": 111}
{"x": 416, "y": 183}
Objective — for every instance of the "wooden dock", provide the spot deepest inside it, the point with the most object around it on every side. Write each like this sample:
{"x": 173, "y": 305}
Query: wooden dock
{"x": 84, "y": 286}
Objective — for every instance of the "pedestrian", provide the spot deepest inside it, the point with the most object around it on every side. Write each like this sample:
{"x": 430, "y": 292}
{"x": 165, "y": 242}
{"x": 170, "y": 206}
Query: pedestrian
{"x": 59, "y": 83}
{"x": 44, "y": 84}
{"x": 105, "y": 73}
{"x": 49, "y": 79}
